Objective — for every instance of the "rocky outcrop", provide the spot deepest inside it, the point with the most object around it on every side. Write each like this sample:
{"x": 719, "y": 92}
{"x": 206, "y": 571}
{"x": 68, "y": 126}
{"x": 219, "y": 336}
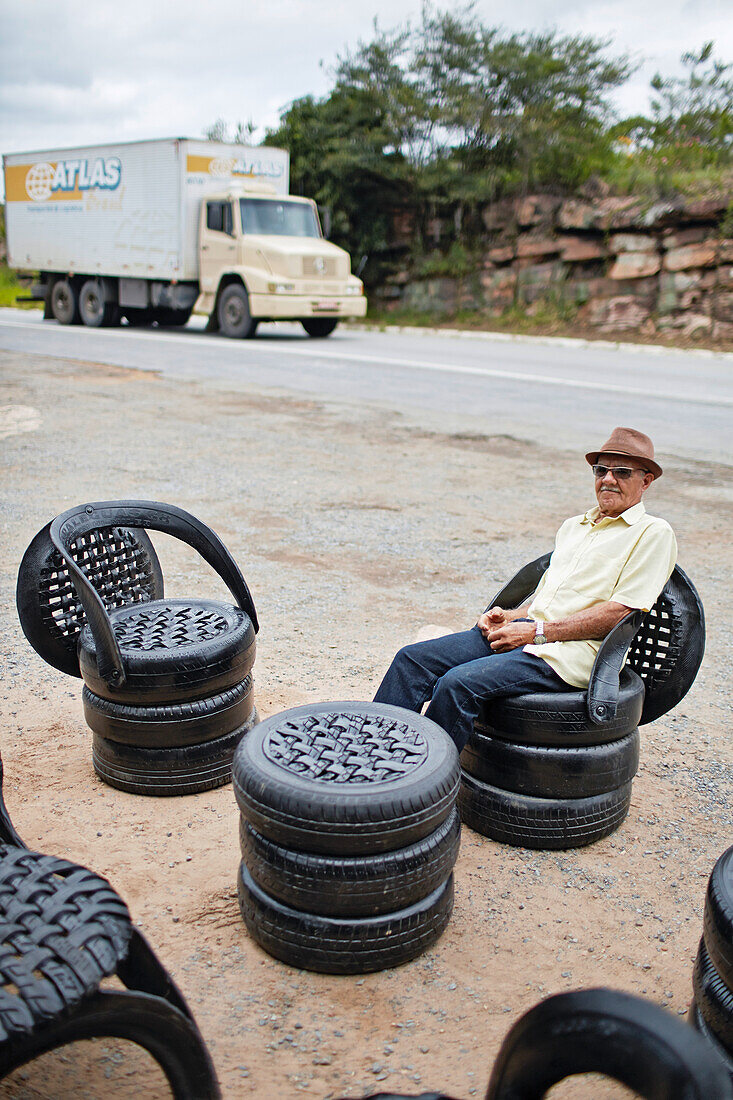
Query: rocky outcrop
{"x": 622, "y": 262}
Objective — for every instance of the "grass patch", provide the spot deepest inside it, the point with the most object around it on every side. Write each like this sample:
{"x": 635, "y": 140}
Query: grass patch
{"x": 545, "y": 320}
{"x": 11, "y": 286}
{"x": 654, "y": 179}
{"x": 546, "y": 317}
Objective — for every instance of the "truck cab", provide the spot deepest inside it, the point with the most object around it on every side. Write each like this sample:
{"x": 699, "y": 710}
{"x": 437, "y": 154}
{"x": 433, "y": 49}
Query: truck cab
{"x": 262, "y": 257}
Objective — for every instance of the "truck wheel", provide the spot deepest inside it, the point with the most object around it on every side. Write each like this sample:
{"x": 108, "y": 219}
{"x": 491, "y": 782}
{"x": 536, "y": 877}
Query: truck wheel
{"x": 319, "y": 327}
{"x": 233, "y": 313}
{"x": 95, "y": 312}
{"x": 65, "y": 302}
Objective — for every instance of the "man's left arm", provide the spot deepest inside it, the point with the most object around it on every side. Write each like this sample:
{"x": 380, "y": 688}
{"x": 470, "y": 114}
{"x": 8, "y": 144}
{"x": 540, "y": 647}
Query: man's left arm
{"x": 593, "y": 622}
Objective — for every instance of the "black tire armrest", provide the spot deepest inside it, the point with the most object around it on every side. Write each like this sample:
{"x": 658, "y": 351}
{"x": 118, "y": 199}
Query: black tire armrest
{"x": 522, "y": 584}
{"x": 602, "y": 695}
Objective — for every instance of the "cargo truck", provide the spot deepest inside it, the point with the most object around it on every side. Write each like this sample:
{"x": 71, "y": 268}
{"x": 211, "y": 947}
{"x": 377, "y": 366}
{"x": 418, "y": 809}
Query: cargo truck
{"x": 152, "y": 231}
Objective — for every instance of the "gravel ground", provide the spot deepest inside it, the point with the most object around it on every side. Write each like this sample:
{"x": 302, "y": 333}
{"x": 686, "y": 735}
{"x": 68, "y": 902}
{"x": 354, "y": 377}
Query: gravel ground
{"x": 356, "y": 530}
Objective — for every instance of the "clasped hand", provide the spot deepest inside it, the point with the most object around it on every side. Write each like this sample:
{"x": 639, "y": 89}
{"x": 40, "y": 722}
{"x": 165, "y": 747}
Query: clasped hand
{"x": 502, "y": 632}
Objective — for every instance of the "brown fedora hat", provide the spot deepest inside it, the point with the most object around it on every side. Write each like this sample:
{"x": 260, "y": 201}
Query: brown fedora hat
{"x": 629, "y": 443}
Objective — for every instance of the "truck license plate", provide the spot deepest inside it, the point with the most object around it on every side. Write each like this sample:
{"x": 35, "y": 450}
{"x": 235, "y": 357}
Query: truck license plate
{"x": 323, "y": 306}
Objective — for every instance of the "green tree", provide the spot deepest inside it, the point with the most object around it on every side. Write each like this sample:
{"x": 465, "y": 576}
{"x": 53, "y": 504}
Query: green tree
{"x": 524, "y": 110}
{"x": 221, "y": 130}
{"x": 695, "y": 112}
{"x": 442, "y": 117}
{"x": 351, "y": 150}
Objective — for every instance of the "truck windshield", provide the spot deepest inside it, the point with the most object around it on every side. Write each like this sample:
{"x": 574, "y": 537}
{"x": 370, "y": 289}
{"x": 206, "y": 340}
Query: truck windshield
{"x": 278, "y": 218}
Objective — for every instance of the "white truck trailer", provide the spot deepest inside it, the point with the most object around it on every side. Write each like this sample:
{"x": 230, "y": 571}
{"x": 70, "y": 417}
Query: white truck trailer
{"x": 152, "y": 231}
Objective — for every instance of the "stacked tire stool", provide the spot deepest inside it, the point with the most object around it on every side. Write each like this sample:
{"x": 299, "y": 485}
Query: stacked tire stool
{"x": 167, "y": 682}
{"x": 554, "y": 769}
{"x": 536, "y": 779}
{"x": 711, "y": 1011}
{"x": 349, "y": 834}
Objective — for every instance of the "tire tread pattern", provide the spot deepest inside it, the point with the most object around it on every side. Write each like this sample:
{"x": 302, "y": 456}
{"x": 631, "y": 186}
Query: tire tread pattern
{"x": 544, "y": 823}
{"x": 352, "y": 886}
{"x": 173, "y": 725}
{"x": 171, "y": 771}
{"x": 714, "y": 999}
{"x": 339, "y": 945}
{"x": 718, "y": 920}
{"x": 568, "y": 771}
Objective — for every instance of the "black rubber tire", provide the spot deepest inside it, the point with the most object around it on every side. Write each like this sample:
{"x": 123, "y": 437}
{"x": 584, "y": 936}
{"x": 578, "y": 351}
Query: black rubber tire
{"x": 603, "y": 1031}
{"x": 396, "y": 804}
{"x": 173, "y": 675}
{"x": 546, "y": 823}
{"x": 694, "y": 1017}
{"x": 714, "y": 999}
{"x": 319, "y": 327}
{"x": 168, "y": 772}
{"x": 94, "y": 311}
{"x": 341, "y": 945}
{"x": 235, "y": 319}
{"x": 548, "y": 771}
{"x": 561, "y": 717}
{"x": 65, "y": 302}
{"x": 352, "y": 886}
{"x": 173, "y": 726}
{"x": 718, "y": 925}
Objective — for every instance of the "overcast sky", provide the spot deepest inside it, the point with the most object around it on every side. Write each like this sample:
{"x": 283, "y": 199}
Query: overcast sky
{"x": 77, "y": 72}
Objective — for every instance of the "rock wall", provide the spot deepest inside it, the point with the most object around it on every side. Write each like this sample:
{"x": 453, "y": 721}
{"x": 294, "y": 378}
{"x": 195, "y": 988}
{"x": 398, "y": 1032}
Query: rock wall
{"x": 624, "y": 263}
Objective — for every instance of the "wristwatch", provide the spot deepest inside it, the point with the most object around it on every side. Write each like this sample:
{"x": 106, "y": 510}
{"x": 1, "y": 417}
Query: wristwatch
{"x": 539, "y": 637}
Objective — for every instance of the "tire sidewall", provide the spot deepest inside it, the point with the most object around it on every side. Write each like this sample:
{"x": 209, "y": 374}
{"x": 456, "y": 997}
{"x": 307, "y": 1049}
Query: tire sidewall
{"x": 92, "y": 291}
{"x": 561, "y": 718}
{"x": 66, "y": 312}
{"x": 322, "y": 816}
{"x": 245, "y": 326}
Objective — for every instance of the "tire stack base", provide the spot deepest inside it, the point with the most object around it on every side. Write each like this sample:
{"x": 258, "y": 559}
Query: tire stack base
{"x": 169, "y": 750}
{"x": 348, "y": 835}
{"x": 537, "y": 774}
{"x": 711, "y": 1012}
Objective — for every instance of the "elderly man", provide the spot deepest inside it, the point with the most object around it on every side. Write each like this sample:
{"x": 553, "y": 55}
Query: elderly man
{"x": 613, "y": 558}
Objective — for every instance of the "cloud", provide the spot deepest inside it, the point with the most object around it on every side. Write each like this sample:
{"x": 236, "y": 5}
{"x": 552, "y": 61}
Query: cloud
{"x": 81, "y": 73}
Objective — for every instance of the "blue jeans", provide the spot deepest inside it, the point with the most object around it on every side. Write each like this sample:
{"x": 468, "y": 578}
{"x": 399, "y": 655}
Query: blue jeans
{"x": 457, "y": 673}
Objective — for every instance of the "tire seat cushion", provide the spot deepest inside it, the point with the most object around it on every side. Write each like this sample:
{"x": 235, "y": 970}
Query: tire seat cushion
{"x": 173, "y": 650}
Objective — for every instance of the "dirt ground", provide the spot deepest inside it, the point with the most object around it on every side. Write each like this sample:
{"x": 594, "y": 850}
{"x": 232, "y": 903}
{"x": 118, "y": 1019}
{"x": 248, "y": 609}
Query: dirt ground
{"x": 356, "y": 529}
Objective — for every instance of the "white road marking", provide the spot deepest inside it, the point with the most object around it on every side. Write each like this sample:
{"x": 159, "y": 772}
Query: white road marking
{"x": 404, "y": 364}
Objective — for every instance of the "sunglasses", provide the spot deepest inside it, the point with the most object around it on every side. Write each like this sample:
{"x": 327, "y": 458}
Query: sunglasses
{"x": 620, "y": 473}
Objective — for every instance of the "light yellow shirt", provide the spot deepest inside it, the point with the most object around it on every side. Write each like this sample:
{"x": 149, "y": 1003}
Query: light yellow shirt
{"x": 627, "y": 559}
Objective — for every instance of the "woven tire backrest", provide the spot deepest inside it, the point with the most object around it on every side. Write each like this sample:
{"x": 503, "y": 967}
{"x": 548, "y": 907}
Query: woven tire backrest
{"x": 668, "y": 647}
{"x": 120, "y": 563}
{"x": 115, "y": 563}
{"x": 62, "y": 929}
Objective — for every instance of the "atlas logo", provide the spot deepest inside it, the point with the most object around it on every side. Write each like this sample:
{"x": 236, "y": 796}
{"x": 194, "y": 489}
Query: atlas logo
{"x": 45, "y": 180}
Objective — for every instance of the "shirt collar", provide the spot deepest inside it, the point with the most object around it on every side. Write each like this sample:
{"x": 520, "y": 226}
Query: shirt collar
{"x": 630, "y": 516}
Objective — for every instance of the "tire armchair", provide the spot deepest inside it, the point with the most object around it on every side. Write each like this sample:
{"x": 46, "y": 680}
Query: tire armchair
{"x": 554, "y": 770}
{"x": 167, "y": 682}
{"x": 63, "y": 930}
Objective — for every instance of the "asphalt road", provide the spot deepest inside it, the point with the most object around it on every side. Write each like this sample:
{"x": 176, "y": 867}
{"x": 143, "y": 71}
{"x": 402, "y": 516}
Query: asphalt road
{"x": 559, "y": 393}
